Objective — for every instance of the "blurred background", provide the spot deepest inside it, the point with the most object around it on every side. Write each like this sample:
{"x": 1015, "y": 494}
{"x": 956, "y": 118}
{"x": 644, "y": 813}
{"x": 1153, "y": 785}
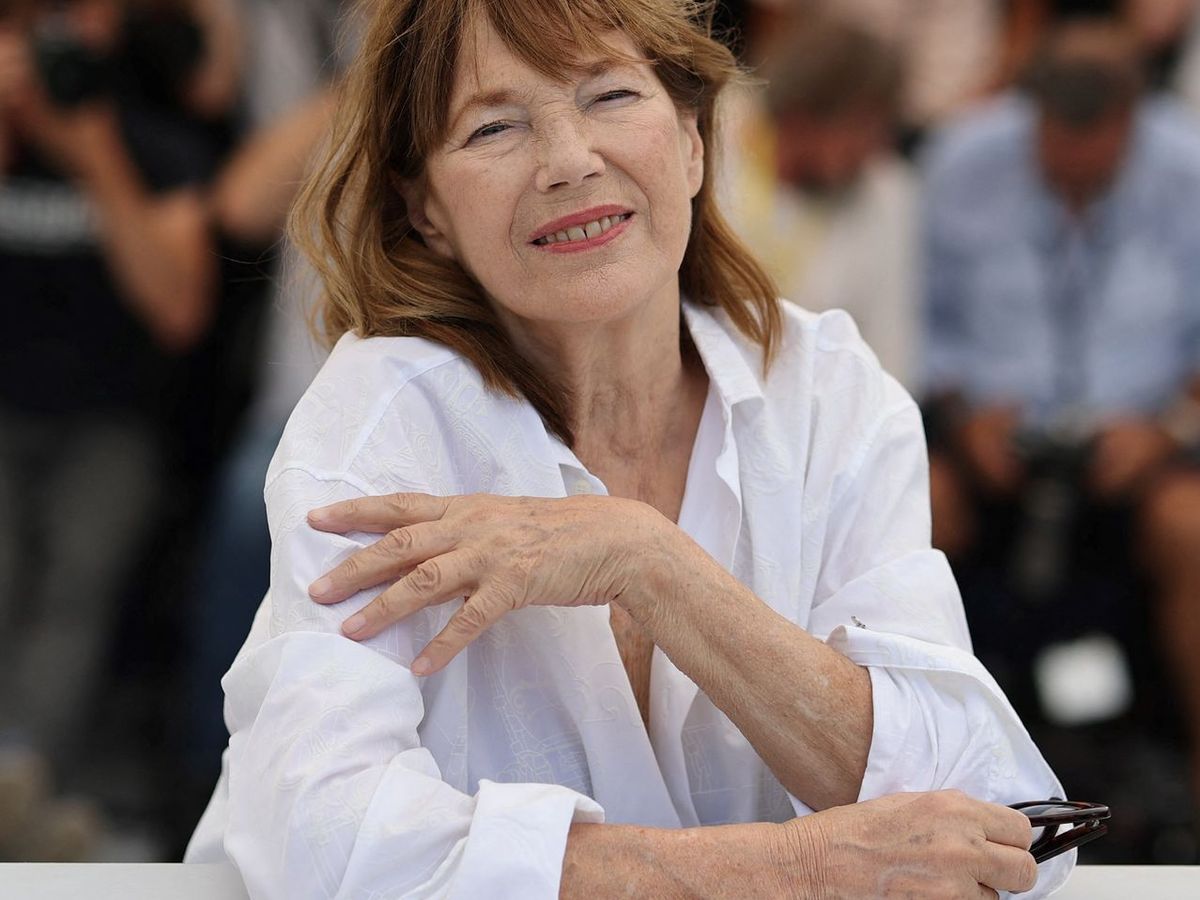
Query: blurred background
{"x": 1005, "y": 195}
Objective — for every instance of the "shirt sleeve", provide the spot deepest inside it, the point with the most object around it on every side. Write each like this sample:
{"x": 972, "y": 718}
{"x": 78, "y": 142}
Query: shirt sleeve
{"x": 331, "y": 792}
{"x": 889, "y": 602}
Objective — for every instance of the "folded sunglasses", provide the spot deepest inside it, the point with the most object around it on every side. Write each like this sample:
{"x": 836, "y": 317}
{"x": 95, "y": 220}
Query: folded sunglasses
{"x": 1084, "y": 822}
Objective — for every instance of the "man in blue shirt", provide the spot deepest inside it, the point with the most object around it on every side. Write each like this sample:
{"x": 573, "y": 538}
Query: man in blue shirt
{"x": 1062, "y": 238}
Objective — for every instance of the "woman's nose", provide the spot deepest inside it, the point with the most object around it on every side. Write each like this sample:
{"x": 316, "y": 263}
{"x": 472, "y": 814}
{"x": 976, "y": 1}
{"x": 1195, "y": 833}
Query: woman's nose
{"x": 566, "y": 155}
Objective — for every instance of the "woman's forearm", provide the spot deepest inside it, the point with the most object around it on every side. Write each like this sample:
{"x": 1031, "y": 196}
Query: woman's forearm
{"x": 805, "y": 708}
{"x": 752, "y": 860}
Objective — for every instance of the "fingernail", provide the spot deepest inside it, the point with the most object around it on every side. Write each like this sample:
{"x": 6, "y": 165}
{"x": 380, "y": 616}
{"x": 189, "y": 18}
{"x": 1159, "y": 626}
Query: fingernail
{"x": 421, "y": 666}
{"x": 354, "y": 625}
{"x": 320, "y": 587}
{"x": 316, "y": 516}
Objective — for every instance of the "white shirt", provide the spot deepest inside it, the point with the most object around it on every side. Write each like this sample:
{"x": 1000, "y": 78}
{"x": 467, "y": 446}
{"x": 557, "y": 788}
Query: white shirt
{"x": 346, "y": 776}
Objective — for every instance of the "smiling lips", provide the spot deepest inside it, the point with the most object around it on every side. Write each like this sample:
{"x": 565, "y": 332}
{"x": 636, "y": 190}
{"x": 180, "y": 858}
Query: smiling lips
{"x": 582, "y": 231}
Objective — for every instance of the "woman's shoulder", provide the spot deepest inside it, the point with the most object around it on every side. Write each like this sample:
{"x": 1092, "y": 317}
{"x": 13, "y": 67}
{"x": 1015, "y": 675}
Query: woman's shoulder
{"x": 371, "y": 392}
{"x": 841, "y": 375}
{"x": 818, "y": 353}
{"x": 825, "y": 386}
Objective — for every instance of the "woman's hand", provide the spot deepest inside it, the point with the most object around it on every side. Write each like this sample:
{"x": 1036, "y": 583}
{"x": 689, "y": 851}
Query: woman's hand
{"x": 929, "y": 845}
{"x": 500, "y": 553}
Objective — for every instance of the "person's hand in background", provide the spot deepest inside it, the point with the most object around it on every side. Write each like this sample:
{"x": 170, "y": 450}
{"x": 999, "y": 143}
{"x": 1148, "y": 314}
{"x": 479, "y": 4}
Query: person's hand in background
{"x": 78, "y": 139}
{"x": 16, "y": 67}
{"x": 212, "y": 88}
{"x": 986, "y": 441}
{"x": 1127, "y": 452}
{"x": 17, "y": 78}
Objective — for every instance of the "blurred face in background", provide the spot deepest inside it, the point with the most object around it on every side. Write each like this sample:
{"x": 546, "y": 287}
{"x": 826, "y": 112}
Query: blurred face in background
{"x": 828, "y": 154}
{"x": 94, "y": 23}
{"x": 1087, "y": 87}
{"x": 1081, "y": 162}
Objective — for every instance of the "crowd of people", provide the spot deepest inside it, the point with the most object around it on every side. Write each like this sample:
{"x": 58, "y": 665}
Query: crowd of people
{"x": 1001, "y": 194}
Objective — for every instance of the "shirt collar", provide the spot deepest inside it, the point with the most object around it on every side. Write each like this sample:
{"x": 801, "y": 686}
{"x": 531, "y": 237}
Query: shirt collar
{"x": 728, "y": 369}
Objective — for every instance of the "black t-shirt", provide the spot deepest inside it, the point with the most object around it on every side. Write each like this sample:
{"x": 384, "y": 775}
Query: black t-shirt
{"x": 69, "y": 343}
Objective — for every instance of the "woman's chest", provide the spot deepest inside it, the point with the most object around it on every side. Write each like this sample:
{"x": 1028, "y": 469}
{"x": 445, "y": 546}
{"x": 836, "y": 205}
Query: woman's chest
{"x": 636, "y": 649}
{"x": 548, "y": 700}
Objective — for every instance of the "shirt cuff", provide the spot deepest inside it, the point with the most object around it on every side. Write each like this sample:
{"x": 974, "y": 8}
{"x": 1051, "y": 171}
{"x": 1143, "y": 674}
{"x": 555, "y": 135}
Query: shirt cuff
{"x": 893, "y": 736}
{"x": 518, "y": 839}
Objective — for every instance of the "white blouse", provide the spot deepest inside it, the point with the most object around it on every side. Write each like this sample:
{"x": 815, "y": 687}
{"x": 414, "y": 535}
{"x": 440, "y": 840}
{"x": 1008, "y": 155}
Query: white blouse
{"x": 346, "y": 776}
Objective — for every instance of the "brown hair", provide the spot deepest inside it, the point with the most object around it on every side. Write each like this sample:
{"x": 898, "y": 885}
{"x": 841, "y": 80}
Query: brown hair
{"x": 381, "y": 279}
{"x": 827, "y": 68}
{"x": 1087, "y": 69}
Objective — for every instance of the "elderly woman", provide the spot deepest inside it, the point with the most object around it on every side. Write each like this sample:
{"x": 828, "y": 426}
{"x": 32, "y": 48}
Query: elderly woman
{"x": 655, "y": 548}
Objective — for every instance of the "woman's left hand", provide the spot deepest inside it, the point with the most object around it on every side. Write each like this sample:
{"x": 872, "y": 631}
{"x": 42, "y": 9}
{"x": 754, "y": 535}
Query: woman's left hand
{"x": 500, "y": 553}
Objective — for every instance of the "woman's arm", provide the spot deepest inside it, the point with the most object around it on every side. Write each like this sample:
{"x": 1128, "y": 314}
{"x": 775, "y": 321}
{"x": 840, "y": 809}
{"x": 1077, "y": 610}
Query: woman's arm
{"x": 836, "y": 710}
{"x": 910, "y": 845}
{"x": 878, "y": 692}
{"x": 330, "y": 788}
{"x": 755, "y": 860}
{"x": 804, "y": 707}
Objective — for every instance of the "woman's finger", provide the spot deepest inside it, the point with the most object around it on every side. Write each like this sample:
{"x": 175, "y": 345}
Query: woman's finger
{"x": 1002, "y": 825}
{"x": 389, "y": 558}
{"x": 1005, "y": 868}
{"x": 433, "y": 581}
{"x": 379, "y": 515}
{"x": 479, "y": 613}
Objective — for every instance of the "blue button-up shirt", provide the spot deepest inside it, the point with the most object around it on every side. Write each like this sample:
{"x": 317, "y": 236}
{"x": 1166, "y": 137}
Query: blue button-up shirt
{"x": 1093, "y": 316}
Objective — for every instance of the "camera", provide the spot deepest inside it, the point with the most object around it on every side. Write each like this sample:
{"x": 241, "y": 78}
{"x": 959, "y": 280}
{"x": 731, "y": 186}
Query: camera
{"x": 1057, "y": 461}
{"x": 71, "y": 72}
{"x": 158, "y": 49}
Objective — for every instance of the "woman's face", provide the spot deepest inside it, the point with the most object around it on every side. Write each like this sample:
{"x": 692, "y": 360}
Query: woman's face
{"x": 568, "y": 201}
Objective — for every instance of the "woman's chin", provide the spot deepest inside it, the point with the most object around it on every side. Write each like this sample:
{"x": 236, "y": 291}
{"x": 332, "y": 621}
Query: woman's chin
{"x": 590, "y": 301}
{"x": 591, "y": 309}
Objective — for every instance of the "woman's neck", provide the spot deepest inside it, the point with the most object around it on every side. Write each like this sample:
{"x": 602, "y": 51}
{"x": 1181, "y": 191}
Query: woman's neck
{"x": 631, "y": 383}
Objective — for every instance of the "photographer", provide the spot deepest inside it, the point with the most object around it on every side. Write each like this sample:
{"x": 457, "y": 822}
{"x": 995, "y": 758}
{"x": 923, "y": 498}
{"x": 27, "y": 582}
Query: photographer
{"x": 1063, "y": 258}
{"x": 108, "y": 277}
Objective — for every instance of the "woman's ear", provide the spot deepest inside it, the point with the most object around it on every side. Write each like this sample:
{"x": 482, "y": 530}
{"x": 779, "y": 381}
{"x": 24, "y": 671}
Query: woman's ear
{"x": 416, "y": 203}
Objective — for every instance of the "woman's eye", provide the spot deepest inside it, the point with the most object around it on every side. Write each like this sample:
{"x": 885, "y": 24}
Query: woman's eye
{"x": 488, "y": 130}
{"x": 609, "y": 96}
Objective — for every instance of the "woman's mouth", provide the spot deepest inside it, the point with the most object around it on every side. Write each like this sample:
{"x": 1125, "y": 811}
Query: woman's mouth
{"x": 585, "y": 236}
